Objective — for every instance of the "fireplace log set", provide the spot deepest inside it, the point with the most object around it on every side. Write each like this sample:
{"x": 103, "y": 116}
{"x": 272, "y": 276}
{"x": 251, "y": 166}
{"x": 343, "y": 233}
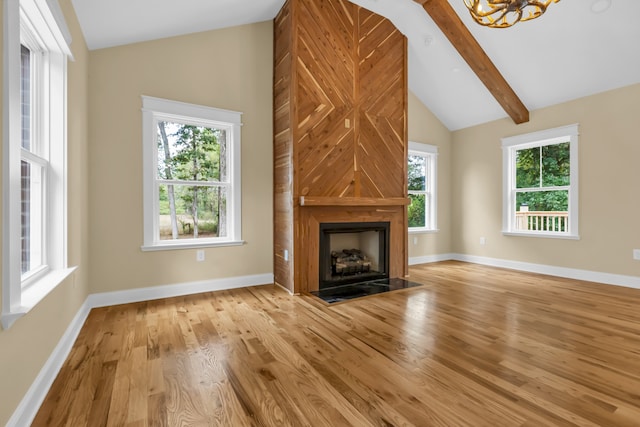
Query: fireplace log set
{"x": 349, "y": 262}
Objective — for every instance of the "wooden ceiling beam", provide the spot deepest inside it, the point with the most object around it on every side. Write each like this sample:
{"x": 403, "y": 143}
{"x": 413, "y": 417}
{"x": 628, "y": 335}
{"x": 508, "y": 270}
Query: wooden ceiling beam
{"x": 461, "y": 38}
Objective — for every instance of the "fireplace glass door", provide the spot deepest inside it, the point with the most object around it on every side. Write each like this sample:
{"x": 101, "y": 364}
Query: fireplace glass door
{"x": 353, "y": 252}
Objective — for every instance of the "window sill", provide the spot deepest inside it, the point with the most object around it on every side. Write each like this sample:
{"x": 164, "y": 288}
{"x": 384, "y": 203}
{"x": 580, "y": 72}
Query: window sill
{"x": 35, "y": 293}
{"x": 423, "y": 230}
{"x": 545, "y": 235}
{"x": 190, "y": 245}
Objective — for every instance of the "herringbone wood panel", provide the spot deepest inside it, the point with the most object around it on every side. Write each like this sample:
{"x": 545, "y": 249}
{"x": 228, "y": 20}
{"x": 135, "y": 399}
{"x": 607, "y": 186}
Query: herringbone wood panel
{"x": 340, "y": 131}
{"x": 381, "y": 140}
{"x": 326, "y": 97}
{"x": 351, "y": 111}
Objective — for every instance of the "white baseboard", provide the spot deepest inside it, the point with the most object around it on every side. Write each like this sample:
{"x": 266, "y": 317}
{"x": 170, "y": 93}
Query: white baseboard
{"x": 28, "y": 407}
{"x": 569, "y": 273}
{"x": 167, "y": 291}
{"x": 430, "y": 258}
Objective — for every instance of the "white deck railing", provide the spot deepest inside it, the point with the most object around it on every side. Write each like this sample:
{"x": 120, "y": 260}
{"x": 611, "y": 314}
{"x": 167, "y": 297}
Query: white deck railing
{"x": 542, "y": 221}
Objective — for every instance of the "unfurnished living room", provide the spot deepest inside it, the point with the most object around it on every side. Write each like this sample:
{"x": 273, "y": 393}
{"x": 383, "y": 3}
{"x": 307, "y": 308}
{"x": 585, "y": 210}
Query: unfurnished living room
{"x": 320, "y": 213}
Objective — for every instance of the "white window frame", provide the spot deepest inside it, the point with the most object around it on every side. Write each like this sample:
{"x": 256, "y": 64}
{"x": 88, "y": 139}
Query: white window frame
{"x": 430, "y": 153}
{"x": 510, "y": 146}
{"x": 155, "y": 110}
{"x": 34, "y": 23}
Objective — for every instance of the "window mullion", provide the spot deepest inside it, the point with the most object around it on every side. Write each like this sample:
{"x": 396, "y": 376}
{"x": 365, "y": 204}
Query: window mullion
{"x": 33, "y": 158}
{"x": 543, "y": 189}
{"x": 540, "y": 167}
{"x": 193, "y": 183}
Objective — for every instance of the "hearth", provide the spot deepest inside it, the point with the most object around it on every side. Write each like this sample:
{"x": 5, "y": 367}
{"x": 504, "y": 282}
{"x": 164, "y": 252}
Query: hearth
{"x": 353, "y": 252}
{"x": 362, "y": 289}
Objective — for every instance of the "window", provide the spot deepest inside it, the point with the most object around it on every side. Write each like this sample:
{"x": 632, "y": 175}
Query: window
{"x": 422, "y": 187}
{"x": 541, "y": 183}
{"x": 36, "y": 48}
{"x": 191, "y": 175}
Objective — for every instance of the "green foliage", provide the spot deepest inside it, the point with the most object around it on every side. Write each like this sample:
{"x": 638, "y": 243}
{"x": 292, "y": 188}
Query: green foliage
{"x": 417, "y": 173}
{"x": 209, "y": 227}
{"x": 545, "y": 201}
{"x": 539, "y": 168}
{"x": 195, "y": 155}
{"x": 417, "y": 180}
{"x": 416, "y": 210}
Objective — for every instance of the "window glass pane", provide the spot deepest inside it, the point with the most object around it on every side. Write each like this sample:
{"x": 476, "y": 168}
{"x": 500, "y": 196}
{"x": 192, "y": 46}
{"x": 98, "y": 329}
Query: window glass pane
{"x": 187, "y": 212}
{"x": 193, "y": 153}
{"x": 417, "y": 169}
{"x": 555, "y": 165}
{"x": 542, "y": 211}
{"x": 417, "y": 210}
{"x": 25, "y": 95}
{"x": 528, "y": 168}
{"x": 31, "y": 216}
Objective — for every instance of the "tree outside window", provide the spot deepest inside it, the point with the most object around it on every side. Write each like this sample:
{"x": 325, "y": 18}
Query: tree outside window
{"x": 542, "y": 185}
{"x": 421, "y": 170}
{"x": 191, "y": 154}
{"x": 541, "y": 181}
{"x": 192, "y": 175}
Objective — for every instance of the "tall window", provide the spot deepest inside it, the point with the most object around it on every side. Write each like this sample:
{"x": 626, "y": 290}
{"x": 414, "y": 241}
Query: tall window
{"x": 421, "y": 167}
{"x": 34, "y": 166}
{"x": 192, "y": 175}
{"x": 541, "y": 181}
{"x": 36, "y": 48}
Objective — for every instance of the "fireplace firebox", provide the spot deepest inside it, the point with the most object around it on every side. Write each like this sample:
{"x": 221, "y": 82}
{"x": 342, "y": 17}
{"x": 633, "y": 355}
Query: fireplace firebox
{"x": 353, "y": 252}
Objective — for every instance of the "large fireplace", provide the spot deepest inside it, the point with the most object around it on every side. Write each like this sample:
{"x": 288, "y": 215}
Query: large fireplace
{"x": 353, "y": 252}
{"x": 340, "y": 140}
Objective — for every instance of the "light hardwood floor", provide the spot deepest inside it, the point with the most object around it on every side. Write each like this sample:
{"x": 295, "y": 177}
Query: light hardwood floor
{"x": 473, "y": 346}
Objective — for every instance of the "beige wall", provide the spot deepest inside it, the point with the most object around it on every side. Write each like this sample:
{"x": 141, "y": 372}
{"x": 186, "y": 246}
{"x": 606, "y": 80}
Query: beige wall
{"x": 426, "y": 128}
{"x": 26, "y": 346}
{"x": 609, "y": 151}
{"x": 230, "y": 69}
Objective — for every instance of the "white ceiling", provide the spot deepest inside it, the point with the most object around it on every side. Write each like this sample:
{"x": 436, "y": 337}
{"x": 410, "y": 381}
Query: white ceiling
{"x": 568, "y": 53}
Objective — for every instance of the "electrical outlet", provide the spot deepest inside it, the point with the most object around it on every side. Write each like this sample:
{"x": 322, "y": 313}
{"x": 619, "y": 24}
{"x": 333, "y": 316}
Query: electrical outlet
{"x": 415, "y": 240}
{"x": 200, "y": 255}
{"x": 483, "y": 241}
{"x": 286, "y": 255}
{"x": 636, "y": 254}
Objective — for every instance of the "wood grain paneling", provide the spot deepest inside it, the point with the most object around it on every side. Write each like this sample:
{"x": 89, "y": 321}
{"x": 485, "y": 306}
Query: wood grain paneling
{"x": 325, "y": 97}
{"x": 283, "y": 206}
{"x": 473, "y": 346}
{"x": 354, "y": 201}
{"x": 312, "y": 217}
{"x": 340, "y": 108}
{"x": 381, "y": 153}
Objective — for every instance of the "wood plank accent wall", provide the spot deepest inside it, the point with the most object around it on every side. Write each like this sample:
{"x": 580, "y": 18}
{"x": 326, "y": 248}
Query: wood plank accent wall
{"x": 340, "y": 129}
{"x": 284, "y": 210}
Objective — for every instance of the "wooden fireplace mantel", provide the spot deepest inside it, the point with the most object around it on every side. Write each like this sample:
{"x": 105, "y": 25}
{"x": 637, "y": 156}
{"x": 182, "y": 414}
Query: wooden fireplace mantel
{"x": 354, "y": 201}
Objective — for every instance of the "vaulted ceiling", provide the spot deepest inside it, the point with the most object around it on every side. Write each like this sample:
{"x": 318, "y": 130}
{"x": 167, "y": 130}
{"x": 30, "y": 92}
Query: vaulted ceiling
{"x": 574, "y": 50}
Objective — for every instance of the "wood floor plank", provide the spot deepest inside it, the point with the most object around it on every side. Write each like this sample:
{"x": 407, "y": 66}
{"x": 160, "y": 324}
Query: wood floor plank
{"x": 473, "y": 346}
{"x": 99, "y": 412}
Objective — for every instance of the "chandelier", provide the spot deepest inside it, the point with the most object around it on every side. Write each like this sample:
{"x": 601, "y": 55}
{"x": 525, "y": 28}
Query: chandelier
{"x": 505, "y": 13}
